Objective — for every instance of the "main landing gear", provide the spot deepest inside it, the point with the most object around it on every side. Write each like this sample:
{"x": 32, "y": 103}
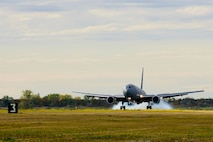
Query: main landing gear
{"x": 149, "y": 106}
{"x": 122, "y": 107}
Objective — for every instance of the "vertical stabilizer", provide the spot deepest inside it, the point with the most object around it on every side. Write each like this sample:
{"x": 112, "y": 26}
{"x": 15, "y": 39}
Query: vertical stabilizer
{"x": 142, "y": 79}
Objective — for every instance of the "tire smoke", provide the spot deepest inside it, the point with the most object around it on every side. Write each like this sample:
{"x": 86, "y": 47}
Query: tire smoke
{"x": 163, "y": 105}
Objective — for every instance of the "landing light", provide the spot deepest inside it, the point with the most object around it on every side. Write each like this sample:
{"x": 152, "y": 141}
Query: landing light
{"x": 129, "y": 98}
{"x": 141, "y": 96}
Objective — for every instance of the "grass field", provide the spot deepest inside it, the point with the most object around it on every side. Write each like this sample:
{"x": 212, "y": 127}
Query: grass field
{"x": 106, "y": 125}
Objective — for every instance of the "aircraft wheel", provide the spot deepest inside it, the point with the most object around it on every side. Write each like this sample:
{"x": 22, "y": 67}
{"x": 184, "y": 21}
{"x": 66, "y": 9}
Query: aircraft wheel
{"x": 149, "y": 107}
{"x": 122, "y": 107}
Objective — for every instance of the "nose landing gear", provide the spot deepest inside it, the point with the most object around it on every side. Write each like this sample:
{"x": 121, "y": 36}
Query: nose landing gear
{"x": 149, "y": 105}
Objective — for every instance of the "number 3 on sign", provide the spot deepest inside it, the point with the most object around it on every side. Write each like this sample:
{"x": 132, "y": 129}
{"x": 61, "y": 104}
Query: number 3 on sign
{"x": 12, "y": 108}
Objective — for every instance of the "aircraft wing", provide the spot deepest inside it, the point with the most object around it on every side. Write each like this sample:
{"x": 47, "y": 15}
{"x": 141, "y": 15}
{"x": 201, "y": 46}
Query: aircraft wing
{"x": 168, "y": 95}
{"x": 103, "y": 96}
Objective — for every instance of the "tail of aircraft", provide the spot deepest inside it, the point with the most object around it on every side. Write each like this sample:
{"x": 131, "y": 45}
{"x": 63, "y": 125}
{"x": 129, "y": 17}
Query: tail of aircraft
{"x": 142, "y": 80}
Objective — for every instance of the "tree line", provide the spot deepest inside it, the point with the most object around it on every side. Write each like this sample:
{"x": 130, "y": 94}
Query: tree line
{"x": 30, "y": 100}
{"x": 191, "y": 103}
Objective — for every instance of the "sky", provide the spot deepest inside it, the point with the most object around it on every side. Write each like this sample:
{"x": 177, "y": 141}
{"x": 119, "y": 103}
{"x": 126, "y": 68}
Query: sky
{"x": 100, "y": 46}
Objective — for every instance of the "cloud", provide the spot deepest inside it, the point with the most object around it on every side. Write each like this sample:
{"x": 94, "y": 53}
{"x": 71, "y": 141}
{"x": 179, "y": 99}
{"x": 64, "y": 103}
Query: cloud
{"x": 102, "y": 19}
{"x": 195, "y": 11}
{"x": 31, "y": 6}
{"x": 106, "y": 12}
{"x": 39, "y": 8}
{"x": 98, "y": 28}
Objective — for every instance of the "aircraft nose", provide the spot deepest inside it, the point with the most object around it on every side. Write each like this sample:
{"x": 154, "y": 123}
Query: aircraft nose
{"x": 125, "y": 91}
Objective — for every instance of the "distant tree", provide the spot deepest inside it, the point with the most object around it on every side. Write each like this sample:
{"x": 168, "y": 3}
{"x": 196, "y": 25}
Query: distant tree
{"x": 29, "y": 100}
{"x": 36, "y": 100}
{"x": 45, "y": 102}
{"x": 65, "y": 100}
{"x": 54, "y": 100}
{"x": 6, "y": 100}
{"x": 25, "y": 99}
{"x": 77, "y": 98}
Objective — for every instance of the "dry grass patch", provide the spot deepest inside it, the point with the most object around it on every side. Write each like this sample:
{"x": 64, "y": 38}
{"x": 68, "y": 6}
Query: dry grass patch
{"x": 106, "y": 125}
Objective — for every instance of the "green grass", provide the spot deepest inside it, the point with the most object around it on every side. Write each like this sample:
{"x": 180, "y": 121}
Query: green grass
{"x": 106, "y": 125}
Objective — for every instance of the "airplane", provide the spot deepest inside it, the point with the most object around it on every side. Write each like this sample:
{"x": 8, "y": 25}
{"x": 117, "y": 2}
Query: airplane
{"x": 134, "y": 94}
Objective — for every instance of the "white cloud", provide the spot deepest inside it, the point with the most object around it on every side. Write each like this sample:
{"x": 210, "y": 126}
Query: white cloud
{"x": 96, "y": 21}
{"x": 167, "y": 26}
{"x": 195, "y": 11}
{"x": 106, "y": 12}
{"x": 54, "y": 16}
{"x": 98, "y": 28}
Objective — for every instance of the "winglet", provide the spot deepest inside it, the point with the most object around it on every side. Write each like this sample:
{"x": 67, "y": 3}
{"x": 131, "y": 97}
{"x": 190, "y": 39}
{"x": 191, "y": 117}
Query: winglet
{"x": 142, "y": 79}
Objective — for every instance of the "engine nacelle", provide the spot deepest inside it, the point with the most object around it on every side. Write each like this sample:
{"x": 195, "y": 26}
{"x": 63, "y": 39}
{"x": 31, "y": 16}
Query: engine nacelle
{"x": 110, "y": 100}
{"x": 156, "y": 99}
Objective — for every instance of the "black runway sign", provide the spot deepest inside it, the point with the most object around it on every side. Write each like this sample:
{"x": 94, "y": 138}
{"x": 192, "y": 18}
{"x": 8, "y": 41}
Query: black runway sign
{"x": 13, "y": 108}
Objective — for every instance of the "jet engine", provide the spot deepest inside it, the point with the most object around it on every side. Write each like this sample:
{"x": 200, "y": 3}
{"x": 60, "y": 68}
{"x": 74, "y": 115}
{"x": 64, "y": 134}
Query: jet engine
{"x": 110, "y": 100}
{"x": 156, "y": 99}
